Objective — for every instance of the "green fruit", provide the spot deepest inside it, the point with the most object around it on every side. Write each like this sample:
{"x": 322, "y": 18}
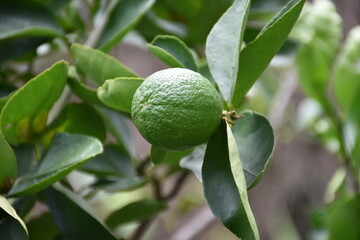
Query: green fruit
{"x": 176, "y": 109}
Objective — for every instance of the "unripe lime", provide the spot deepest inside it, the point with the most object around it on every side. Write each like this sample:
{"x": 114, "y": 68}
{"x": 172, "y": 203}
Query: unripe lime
{"x": 176, "y": 109}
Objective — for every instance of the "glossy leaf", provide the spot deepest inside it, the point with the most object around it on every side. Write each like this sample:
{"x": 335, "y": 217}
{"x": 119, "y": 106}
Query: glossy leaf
{"x": 118, "y": 125}
{"x": 223, "y": 47}
{"x": 12, "y": 226}
{"x": 172, "y": 51}
{"x": 136, "y": 211}
{"x": 343, "y": 221}
{"x": 118, "y": 93}
{"x": 122, "y": 19}
{"x": 114, "y": 161}
{"x": 66, "y": 153}
{"x": 78, "y": 118}
{"x": 161, "y": 156}
{"x": 256, "y": 56}
{"x": 249, "y": 132}
{"x": 98, "y": 65}
{"x": 74, "y": 217}
{"x": 26, "y": 19}
{"x": 8, "y": 165}
{"x": 22, "y": 105}
{"x": 347, "y": 72}
{"x": 225, "y": 186}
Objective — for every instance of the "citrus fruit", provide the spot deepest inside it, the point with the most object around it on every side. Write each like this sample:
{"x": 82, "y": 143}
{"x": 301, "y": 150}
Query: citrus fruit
{"x": 176, "y": 109}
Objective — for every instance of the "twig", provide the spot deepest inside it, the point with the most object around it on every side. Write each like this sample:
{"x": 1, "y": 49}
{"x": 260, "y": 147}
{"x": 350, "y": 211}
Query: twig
{"x": 177, "y": 187}
{"x": 141, "y": 229}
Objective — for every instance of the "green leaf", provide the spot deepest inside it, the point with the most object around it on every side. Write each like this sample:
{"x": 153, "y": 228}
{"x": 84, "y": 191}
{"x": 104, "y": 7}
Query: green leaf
{"x": 114, "y": 161}
{"x": 225, "y": 185}
{"x": 74, "y": 217}
{"x": 24, "y": 18}
{"x": 12, "y": 226}
{"x": 84, "y": 92}
{"x": 161, "y": 156}
{"x": 223, "y": 47}
{"x": 118, "y": 125}
{"x": 8, "y": 165}
{"x": 23, "y": 105}
{"x": 136, "y": 211}
{"x": 256, "y": 56}
{"x": 66, "y": 153}
{"x": 78, "y": 118}
{"x": 98, "y": 65}
{"x": 123, "y": 18}
{"x": 249, "y": 132}
{"x": 38, "y": 231}
{"x": 118, "y": 184}
{"x": 347, "y": 72}
{"x": 118, "y": 93}
{"x": 172, "y": 51}
{"x": 343, "y": 221}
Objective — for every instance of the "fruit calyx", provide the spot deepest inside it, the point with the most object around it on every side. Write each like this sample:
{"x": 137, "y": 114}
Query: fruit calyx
{"x": 230, "y": 117}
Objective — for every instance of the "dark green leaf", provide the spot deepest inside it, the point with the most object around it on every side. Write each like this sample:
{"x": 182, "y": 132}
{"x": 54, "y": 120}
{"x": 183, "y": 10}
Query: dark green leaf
{"x": 12, "y": 226}
{"x": 172, "y": 51}
{"x": 114, "y": 161}
{"x": 118, "y": 125}
{"x": 347, "y": 73}
{"x": 78, "y": 118}
{"x": 161, "y": 156}
{"x": 118, "y": 93}
{"x": 203, "y": 20}
{"x": 8, "y": 165}
{"x": 25, "y": 156}
{"x": 23, "y": 106}
{"x": 136, "y": 211}
{"x": 344, "y": 220}
{"x": 223, "y": 47}
{"x": 37, "y": 229}
{"x": 123, "y": 18}
{"x": 255, "y": 140}
{"x": 26, "y": 18}
{"x": 66, "y": 153}
{"x": 118, "y": 184}
{"x": 225, "y": 185}
{"x": 74, "y": 217}
{"x": 256, "y": 56}
{"x": 98, "y": 65}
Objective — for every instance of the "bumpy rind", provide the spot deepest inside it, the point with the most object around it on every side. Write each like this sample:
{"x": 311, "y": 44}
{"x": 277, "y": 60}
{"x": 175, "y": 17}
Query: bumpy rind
{"x": 176, "y": 109}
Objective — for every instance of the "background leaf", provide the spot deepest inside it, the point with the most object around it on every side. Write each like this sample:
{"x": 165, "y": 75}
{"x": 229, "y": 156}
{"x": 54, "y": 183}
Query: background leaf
{"x": 12, "y": 226}
{"x": 256, "y": 56}
{"x": 26, "y": 19}
{"x": 66, "y": 152}
{"x": 172, "y": 51}
{"x": 74, "y": 217}
{"x": 223, "y": 46}
{"x": 78, "y": 118}
{"x": 118, "y": 93}
{"x": 161, "y": 156}
{"x": 122, "y": 19}
{"x": 43, "y": 227}
{"x": 342, "y": 221}
{"x": 347, "y": 72}
{"x": 98, "y": 65}
{"x": 136, "y": 211}
{"x": 8, "y": 165}
{"x": 47, "y": 87}
{"x": 248, "y": 132}
{"x": 225, "y": 185}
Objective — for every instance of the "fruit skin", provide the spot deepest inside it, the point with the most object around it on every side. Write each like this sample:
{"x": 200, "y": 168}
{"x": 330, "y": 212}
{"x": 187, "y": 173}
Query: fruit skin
{"x": 176, "y": 109}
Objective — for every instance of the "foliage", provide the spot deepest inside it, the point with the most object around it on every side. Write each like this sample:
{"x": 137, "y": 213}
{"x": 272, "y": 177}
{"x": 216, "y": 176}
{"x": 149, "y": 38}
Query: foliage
{"x": 74, "y": 116}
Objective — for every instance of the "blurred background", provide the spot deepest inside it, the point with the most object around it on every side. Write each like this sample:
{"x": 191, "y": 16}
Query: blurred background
{"x": 291, "y": 200}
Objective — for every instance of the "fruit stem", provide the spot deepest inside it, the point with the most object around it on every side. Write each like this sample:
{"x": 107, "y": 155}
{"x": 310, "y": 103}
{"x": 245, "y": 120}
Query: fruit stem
{"x": 230, "y": 117}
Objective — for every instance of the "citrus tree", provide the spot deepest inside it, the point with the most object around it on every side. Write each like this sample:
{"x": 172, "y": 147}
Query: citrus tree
{"x": 76, "y": 114}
